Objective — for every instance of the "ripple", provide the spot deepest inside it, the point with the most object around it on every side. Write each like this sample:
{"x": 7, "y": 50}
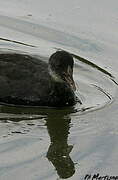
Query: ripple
{"x": 96, "y": 87}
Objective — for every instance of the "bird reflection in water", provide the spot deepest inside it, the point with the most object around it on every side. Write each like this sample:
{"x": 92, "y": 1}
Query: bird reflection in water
{"x": 58, "y": 126}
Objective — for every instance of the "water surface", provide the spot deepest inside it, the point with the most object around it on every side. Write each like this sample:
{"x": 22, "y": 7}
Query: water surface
{"x": 53, "y": 143}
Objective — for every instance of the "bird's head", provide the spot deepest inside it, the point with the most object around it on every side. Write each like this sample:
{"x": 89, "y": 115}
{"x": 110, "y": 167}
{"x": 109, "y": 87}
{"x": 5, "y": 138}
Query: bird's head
{"x": 61, "y": 68}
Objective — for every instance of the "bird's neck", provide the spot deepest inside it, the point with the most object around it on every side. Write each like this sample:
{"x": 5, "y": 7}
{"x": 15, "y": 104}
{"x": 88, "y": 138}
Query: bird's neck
{"x": 55, "y": 77}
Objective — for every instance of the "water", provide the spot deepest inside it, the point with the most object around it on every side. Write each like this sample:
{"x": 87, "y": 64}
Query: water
{"x": 51, "y": 143}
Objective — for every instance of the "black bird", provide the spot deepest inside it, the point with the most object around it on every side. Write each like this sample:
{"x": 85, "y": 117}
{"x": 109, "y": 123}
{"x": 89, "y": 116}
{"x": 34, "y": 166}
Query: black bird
{"x": 28, "y": 81}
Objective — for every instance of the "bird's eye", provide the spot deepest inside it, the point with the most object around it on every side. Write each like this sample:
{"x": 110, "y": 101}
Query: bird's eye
{"x": 58, "y": 65}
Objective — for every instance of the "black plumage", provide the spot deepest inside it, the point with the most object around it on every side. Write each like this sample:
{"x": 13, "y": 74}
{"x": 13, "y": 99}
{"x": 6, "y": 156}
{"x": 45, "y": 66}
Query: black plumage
{"x": 28, "y": 81}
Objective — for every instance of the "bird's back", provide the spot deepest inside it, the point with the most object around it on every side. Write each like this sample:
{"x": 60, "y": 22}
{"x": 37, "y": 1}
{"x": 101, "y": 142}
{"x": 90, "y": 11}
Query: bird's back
{"x": 23, "y": 78}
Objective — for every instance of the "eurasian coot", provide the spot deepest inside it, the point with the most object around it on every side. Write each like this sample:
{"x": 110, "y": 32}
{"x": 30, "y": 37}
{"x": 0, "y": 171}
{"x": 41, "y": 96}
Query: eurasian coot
{"x": 28, "y": 81}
